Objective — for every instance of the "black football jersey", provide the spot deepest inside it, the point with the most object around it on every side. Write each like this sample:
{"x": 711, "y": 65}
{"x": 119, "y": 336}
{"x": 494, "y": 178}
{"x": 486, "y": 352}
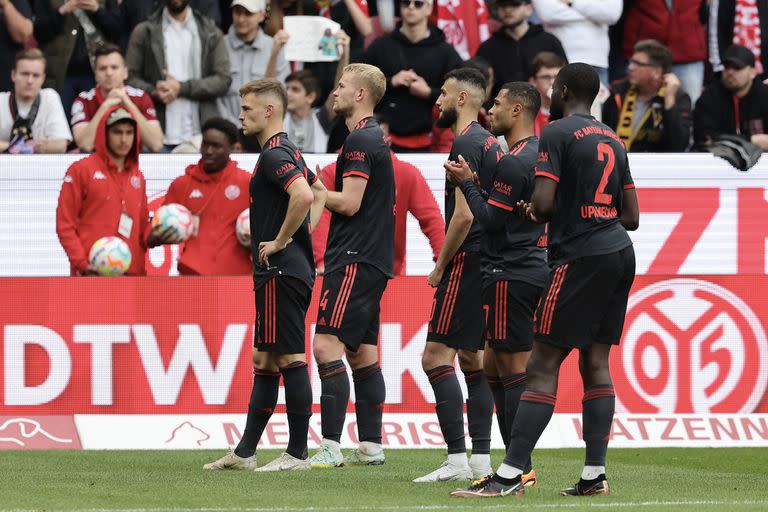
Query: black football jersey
{"x": 482, "y": 152}
{"x": 589, "y": 163}
{"x": 517, "y": 251}
{"x": 280, "y": 164}
{"x": 368, "y": 236}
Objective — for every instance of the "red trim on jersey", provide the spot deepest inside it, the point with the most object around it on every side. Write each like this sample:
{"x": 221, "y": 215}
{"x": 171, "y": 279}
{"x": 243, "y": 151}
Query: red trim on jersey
{"x": 628, "y": 186}
{"x": 293, "y": 178}
{"x": 517, "y": 149}
{"x": 358, "y": 174}
{"x": 548, "y": 175}
{"x": 503, "y": 206}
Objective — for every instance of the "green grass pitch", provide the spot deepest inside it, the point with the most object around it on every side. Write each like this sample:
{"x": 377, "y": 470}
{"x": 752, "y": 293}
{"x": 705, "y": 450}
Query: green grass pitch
{"x": 730, "y": 480}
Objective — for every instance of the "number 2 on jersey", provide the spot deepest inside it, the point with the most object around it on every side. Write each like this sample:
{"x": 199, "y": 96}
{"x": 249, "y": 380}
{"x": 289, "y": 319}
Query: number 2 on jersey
{"x": 605, "y": 150}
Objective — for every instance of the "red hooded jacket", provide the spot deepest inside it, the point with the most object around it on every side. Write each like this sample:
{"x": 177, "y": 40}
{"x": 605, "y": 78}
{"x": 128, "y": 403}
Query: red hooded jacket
{"x": 680, "y": 29}
{"x": 92, "y": 199}
{"x": 413, "y": 195}
{"x": 217, "y": 198}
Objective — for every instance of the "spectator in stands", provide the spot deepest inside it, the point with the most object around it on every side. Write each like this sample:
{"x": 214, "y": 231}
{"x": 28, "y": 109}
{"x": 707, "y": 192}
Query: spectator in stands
{"x": 252, "y": 53}
{"x": 677, "y": 24}
{"x": 32, "y": 119}
{"x": 133, "y": 12}
{"x": 215, "y": 190}
{"x": 544, "y": 69}
{"x": 68, "y": 33}
{"x": 736, "y": 104}
{"x": 413, "y": 195}
{"x": 414, "y": 58}
{"x": 15, "y": 30}
{"x": 89, "y": 107}
{"x": 353, "y": 17}
{"x": 582, "y": 27}
{"x": 511, "y": 49}
{"x": 649, "y": 111}
{"x": 180, "y": 58}
{"x": 742, "y": 22}
{"x": 104, "y": 194}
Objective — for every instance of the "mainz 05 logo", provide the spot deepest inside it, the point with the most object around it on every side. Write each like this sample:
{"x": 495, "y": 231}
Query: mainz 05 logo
{"x": 690, "y": 346}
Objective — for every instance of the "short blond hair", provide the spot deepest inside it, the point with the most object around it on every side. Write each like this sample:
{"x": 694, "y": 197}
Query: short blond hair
{"x": 369, "y": 78}
{"x": 264, "y": 87}
{"x": 30, "y": 54}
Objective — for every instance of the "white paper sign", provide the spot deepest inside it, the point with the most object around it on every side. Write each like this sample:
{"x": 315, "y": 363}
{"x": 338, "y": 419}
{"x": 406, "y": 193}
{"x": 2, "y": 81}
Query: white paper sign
{"x": 311, "y": 39}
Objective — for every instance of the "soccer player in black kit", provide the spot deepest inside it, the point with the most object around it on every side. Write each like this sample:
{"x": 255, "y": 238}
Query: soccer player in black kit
{"x": 512, "y": 251}
{"x": 458, "y": 320}
{"x": 358, "y": 262}
{"x": 584, "y": 189}
{"x": 286, "y": 201}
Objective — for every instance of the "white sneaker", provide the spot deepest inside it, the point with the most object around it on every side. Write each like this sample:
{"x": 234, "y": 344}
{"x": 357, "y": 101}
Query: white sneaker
{"x": 285, "y": 462}
{"x": 447, "y": 472}
{"x": 480, "y": 470}
{"x": 232, "y": 461}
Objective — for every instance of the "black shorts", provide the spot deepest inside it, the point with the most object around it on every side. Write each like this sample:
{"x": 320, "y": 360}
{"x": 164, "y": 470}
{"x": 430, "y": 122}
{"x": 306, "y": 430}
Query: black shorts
{"x": 457, "y": 318}
{"x": 281, "y": 310}
{"x": 509, "y": 308}
{"x": 350, "y": 303}
{"x": 585, "y": 301}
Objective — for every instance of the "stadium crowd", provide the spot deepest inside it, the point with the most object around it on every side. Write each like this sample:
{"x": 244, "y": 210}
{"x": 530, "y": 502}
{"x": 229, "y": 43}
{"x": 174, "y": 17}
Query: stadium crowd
{"x": 676, "y": 74}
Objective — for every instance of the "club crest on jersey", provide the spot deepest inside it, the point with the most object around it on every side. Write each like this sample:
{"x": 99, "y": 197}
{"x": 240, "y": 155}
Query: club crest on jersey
{"x": 98, "y": 175}
{"x": 232, "y": 192}
{"x": 195, "y": 194}
{"x": 135, "y": 182}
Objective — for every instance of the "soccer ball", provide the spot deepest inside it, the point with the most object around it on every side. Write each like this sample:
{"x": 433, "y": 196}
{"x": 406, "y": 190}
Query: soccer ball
{"x": 243, "y": 228}
{"x": 110, "y": 256}
{"x": 176, "y": 217}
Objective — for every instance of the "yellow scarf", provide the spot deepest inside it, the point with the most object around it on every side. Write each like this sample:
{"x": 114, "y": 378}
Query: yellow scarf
{"x": 627, "y": 116}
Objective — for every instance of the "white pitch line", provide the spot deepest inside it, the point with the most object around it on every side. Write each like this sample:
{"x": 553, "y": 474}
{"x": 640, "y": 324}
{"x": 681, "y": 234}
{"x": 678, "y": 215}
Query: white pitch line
{"x": 460, "y": 504}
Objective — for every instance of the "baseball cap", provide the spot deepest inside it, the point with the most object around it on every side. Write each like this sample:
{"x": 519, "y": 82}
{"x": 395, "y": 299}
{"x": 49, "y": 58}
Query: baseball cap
{"x": 739, "y": 57}
{"x": 119, "y": 114}
{"x": 251, "y": 5}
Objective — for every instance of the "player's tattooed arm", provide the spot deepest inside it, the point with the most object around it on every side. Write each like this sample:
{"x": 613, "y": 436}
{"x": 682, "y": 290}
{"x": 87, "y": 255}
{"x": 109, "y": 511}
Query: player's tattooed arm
{"x": 301, "y": 198}
{"x": 320, "y": 194}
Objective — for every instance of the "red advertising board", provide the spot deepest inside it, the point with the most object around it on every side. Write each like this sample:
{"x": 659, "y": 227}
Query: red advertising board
{"x": 165, "y": 345}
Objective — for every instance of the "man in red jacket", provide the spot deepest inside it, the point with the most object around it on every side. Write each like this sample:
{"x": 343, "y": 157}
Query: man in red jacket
{"x": 413, "y": 195}
{"x": 104, "y": 194}
{"x": 215, "y": 190}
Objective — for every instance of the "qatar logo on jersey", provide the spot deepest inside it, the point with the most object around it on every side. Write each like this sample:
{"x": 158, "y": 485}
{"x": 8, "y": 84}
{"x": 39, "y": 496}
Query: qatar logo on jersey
{"x": 232, "y": 192}
{"x": 690, "y": 346}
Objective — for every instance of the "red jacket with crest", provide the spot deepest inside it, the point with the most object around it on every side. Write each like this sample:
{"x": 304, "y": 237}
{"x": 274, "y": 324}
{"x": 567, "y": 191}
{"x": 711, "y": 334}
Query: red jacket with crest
{"x": 92, "y": 199}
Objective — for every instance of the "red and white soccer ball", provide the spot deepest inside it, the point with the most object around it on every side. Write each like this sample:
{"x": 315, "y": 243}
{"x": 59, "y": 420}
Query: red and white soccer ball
{"x": 110, "y": 256}
{"x": 243, "y": 228}
{"x": 177, "y": 217}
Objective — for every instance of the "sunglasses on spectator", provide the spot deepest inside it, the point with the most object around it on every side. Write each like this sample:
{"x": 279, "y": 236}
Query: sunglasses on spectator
{"x": 416, "y": 4}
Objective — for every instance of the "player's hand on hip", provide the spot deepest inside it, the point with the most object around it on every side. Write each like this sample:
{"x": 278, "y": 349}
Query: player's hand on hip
{"x": 267, "y": 249}
{"x": 435, "y": 277}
